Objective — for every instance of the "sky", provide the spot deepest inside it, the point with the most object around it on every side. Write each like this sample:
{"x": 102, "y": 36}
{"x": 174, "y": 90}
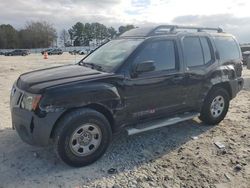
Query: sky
{"x": 231, "y": 15}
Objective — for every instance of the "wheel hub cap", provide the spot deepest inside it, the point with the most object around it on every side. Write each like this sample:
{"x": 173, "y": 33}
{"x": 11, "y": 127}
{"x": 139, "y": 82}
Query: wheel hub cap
{"x": 217, "y": 106}
{"x": 85, "y": 139}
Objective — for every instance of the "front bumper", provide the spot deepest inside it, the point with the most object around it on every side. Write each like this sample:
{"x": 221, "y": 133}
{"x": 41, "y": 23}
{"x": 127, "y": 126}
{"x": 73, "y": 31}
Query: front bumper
{"x": 32, "y": 129}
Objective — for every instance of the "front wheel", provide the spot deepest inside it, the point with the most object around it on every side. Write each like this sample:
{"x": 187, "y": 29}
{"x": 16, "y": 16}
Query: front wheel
{"x": 82, "y": 137}
{"x": 215, "y": 106}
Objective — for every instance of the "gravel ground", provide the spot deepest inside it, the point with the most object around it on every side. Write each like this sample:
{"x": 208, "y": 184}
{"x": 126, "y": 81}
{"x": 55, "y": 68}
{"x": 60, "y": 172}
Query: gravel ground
{"x": 181, "y": 155}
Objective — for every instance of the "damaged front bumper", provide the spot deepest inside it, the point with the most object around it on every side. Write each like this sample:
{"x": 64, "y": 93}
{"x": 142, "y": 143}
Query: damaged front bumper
{"x": 32, "y": 128}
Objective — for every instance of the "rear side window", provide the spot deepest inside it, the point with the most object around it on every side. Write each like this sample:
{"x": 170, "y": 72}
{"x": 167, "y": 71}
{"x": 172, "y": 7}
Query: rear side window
{"x": 206, "y": 50}
{"x": 161, "y": 52}
{"x": 197, "y": 51}
{"x": 227, "y": 48}
{"x": 193, "y": 51}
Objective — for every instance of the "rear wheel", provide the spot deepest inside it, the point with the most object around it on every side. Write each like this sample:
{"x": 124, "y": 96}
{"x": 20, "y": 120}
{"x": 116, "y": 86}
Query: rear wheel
{"x": 215, "y": 106}
{"x": 82, "y": 137}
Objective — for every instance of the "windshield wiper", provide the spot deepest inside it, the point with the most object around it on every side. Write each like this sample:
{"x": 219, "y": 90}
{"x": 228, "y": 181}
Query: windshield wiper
{"x": 92, "y": 65}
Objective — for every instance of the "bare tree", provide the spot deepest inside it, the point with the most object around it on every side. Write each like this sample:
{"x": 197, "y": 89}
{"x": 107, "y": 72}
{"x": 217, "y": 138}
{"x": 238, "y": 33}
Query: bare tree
{"x": 39, "y": 34}
{"x": 65, "y": 37}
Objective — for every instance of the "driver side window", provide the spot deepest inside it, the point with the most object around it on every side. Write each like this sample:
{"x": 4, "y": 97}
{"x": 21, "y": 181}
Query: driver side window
{"x": 161, "y": 52}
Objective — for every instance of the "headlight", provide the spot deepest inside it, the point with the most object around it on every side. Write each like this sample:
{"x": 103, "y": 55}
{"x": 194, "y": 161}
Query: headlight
{"x": 30, "y": 102}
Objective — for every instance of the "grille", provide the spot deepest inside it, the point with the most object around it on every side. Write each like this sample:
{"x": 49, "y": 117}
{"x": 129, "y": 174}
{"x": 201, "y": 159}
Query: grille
{"x": 16, "y": 96}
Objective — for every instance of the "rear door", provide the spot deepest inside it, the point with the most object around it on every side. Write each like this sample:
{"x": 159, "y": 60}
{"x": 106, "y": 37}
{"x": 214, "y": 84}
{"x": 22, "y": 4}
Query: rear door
{"x": 199, "y": 58}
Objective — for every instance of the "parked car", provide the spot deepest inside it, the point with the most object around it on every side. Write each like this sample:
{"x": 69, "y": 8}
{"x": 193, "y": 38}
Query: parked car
{"x": 82, "y": 52}
{"x": 74, "y": 52}
{"x": 245, "y": 55}
{"x": 245, "y": 47}
{"x": 46, "y": 50}
{"x": 145, "y": 79}
{"x": 17, "y": 53}
{"x": 1, "y": 53}
{"x": 55, "y": 52}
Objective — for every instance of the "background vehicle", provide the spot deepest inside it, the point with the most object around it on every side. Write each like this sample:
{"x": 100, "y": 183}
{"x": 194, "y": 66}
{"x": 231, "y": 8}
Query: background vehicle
{"x": 46, "y": 50}
{"x": 245, "y": 55}
{"x": 74, "y": 52}
{"x": 1, "y": 53}
{"x": 55, "y": 52}
{"x": 17, "y": 53}
{"x": 82, "y": 52}
{"x": 148, "y": 78}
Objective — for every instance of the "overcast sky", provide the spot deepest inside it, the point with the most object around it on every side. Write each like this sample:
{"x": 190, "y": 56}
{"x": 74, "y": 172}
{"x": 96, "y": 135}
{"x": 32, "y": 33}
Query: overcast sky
{"x": 232, "y": 15}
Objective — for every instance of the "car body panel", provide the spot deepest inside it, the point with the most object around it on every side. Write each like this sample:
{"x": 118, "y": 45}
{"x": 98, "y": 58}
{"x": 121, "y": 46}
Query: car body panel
{"x": 36, "y": 81}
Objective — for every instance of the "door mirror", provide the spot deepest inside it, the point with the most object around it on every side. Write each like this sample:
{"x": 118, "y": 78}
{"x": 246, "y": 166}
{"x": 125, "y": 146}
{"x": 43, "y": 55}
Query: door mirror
{"x": 145, "y": 66}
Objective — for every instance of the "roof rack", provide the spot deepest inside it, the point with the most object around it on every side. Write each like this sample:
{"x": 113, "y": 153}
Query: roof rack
{"x": 173, "y": 28}
{"x": 163, "y": 29}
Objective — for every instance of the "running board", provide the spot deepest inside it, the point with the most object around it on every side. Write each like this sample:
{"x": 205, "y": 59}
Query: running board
{"x": 160, "y": 123}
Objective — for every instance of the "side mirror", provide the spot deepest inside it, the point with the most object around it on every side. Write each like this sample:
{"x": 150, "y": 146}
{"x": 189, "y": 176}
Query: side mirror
{"x": 145, "y": 66}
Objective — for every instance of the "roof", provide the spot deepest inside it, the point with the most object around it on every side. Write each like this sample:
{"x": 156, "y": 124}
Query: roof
{"x": 165, "y": 29}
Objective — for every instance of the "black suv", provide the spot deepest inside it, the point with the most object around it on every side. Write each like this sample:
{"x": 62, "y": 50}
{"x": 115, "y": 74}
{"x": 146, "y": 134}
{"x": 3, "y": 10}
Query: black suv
{"x": 17, "y": 53}
{"x": 145, "y": 79}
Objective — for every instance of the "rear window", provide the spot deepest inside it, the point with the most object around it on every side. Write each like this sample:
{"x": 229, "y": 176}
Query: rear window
{"x": 193, "y": 51}
{"x": 197, "y": 51}
{"x": 206, "y": 50}
{"x": 227, "y": 48}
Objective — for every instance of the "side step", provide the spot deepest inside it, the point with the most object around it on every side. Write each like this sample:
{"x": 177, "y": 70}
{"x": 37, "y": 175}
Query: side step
{"x": 160, "y": 123}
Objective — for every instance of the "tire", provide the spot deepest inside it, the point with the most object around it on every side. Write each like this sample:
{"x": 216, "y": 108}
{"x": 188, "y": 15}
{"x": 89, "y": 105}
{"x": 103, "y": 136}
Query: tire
{"x": 215, "y": 106}
{"x": 68, "y": 137}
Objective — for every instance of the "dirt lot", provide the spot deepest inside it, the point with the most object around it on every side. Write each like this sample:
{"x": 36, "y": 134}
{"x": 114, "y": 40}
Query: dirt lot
{"x": 167, "y": 157}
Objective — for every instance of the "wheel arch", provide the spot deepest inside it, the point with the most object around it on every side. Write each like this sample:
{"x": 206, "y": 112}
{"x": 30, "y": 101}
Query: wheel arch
{"x": 94, "y": 106}
{"x": 205, "y": 113}
{"x": 224, "y": 85}
{"x": 210, "y": 88}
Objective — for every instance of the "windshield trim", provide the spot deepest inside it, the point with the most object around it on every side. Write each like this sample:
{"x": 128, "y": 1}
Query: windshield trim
{"x": 82, "y": 60}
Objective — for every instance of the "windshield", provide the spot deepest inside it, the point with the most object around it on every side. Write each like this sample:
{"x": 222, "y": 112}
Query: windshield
{"x": 111, "y": 54}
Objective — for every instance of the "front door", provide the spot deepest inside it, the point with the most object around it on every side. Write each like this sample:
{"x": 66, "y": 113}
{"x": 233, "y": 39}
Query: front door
{"x": 159, "y": 92}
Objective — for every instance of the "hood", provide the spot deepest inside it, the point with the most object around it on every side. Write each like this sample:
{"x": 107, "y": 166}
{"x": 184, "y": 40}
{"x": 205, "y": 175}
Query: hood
{"x": 38, "y": 80}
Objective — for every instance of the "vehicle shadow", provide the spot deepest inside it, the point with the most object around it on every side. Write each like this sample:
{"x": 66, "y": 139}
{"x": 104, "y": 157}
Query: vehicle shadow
{"x": 24, "y": 165}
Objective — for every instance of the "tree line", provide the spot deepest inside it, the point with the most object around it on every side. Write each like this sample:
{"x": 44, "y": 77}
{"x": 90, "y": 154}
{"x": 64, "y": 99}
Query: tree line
{"x": 34, "y": 35}
{"x": 44, "y": 35}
